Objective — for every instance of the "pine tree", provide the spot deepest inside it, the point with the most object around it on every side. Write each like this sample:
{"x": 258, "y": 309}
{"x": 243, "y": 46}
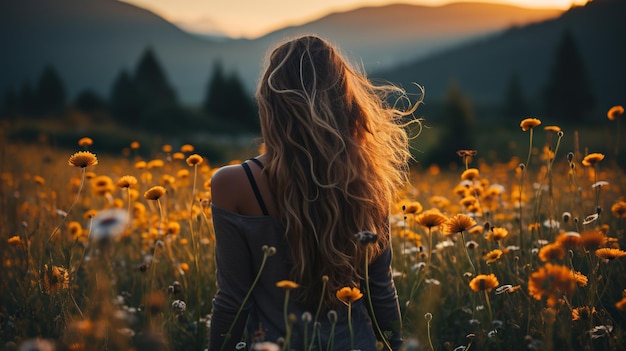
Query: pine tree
{"x": 457, "y": 119}
{"x": 568, "y": 94}
{"x": 50, "y": 96}
{"x": 515, "y": 105}
{"x": 150, "y": 80}
{"x": 228, "y": 101}
{"x": 124, "y": 100}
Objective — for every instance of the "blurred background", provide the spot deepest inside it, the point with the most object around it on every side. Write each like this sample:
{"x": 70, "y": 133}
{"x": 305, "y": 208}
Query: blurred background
{"x": 185, "y": 72}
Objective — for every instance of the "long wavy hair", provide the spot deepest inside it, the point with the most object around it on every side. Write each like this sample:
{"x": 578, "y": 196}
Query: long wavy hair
{"x": 338, "y": 152}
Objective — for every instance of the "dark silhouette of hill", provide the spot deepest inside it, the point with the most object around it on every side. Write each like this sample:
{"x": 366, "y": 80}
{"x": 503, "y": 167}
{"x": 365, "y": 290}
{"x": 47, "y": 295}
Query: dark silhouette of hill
{"x": 484, "y": 67}
{"x": 90, "y": 42}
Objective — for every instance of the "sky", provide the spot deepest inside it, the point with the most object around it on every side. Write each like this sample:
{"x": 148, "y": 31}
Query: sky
{"x": 254, "y": 18}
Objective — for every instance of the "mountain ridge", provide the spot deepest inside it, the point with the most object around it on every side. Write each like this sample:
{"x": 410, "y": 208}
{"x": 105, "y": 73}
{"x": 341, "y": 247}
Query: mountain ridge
{"x": 91, "y": 42}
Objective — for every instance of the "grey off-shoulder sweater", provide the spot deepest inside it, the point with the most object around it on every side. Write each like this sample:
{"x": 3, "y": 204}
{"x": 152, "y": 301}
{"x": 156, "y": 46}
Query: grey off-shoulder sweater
{"x": 238, "y": 251}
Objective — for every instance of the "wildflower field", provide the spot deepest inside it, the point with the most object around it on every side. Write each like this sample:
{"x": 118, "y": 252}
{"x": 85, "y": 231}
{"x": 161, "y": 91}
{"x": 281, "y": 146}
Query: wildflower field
{"x": 115, "y": 252}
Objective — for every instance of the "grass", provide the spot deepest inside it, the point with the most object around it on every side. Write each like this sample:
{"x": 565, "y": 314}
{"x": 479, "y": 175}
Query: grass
{"x": 149, "y": 285}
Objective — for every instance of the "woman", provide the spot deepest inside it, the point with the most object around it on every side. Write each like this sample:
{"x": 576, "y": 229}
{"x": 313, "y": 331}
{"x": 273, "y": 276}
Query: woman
{"x": 335, "y": 155}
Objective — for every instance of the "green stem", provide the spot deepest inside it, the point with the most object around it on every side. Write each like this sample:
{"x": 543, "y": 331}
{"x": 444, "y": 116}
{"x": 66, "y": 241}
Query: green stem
{"x": 467, "y": 253}
{"x": 371, "y": 306}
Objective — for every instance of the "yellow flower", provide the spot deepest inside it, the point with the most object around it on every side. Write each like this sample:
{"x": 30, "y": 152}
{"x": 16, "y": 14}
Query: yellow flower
{"x": 84, "y": 142}
{"x": 497, "y": 233}
{"x": 551, "y": 282}
{"x": 458, "y": 224}
{"x": 592, "y": 159}
{"x": 14, "y": 240}
{"x": 551, "y": 252}
{"x": 592, "y": 239}
{"x": 194, "y": 159}
{"x": 126, "y": 181}
{"x": 569, "y": 240}
{"x": 187, "y": 148}
{"x": 493, "y": 256}
{"x": 582, "y": 313}
{"x": 555, "y": 129}
{"x": 173, "y": 228}
{"x": 39, "y": 180}
{"x": 75, "y": 229}
{"x": 178, "y": 156}
{"x": 470, "y": 174}
{"x": 431, "y": 218}
{"x": 166, "y": 148}
{"x": 83, "y": 159}
{"x": 610, "y": 254}
{"x": 155, "y": 164}
{"x": 102, "y": 185}
{"x": 154, "y": 193}
{"x": 621, "y": 304}
{"x": 529, "y": 123}
{"x": 413, "y": 207}
{"x": 484, "y": 282}
{"x": 619, "y": 209}
{"x": 581, "y": 279}
{"x": 141, "y": 165}
{"x": 615, "y": 112}
{"x": 348, "y": 295}
{"x": 287, "y": 284}
{"x": 134, "y": 145}
{"x": 55, "y": 279}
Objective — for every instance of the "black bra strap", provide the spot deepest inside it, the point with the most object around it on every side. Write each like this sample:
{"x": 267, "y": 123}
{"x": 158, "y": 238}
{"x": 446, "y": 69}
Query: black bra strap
{"x": 258, "y": 163}
{"x": 255, "y": 188}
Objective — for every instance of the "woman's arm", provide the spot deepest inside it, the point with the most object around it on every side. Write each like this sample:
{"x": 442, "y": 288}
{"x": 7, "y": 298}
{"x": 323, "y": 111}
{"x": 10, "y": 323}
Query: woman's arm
{"x": 233, "y": 265}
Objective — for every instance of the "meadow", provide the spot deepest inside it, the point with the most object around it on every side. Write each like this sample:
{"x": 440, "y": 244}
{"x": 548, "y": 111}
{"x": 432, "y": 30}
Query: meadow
{"x": 115, "y": 252}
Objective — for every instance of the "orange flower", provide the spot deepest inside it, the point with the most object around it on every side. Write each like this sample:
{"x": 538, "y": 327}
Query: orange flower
{"x": 551, "y": 252}
{"x": 610, "y": 254}
{"x": 555, "y": 129}
{"x": 84, "y": 142}
{"x": 581, "y": 279}
{"x": 592, "y": 159}
{"x": 287, "y": 284}
{"x": 484, "y": 282}
{"x": 551, "y": 282}
{"x": 194, "y": 159}
{"x": 582, "y": 313}
{"x": 615, "y": 112}
{"x": 529, "y": 123}
{"x": 154, "y": 193}
{"x": 413, "y": 207}
{"x": 497, "y": 234}
{"x": 470, "y": 174}
{"x": 619, "y": 209}
{"x": 83, "y": 159}
{"x": 493, "y": 256}
{"x": 621, "y": 304}
{"x": 569, "y": 240}
{"x": 592, "y": 239}
{"x": 458, "y": 224}
{"x": 431, "y": 218}
{"x": 55, "y": 279}
{"x": 348, "y": 295}
{"x": 187, "y": 148}
{"x": 126, "y": 181}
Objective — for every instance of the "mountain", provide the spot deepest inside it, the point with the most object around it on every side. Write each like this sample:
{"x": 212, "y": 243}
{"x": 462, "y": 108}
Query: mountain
{"x": 90, "y": 42}
{"x": 483, "y": 68}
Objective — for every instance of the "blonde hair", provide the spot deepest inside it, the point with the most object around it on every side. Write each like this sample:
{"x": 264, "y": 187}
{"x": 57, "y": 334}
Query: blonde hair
{"x": 338, "y": 153}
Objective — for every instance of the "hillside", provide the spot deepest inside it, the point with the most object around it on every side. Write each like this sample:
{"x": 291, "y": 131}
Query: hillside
{"x": 482, "y": 68}
{"x": 89, "y": 42}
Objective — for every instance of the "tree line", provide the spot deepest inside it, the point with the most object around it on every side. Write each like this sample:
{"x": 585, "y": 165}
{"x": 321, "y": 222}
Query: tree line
{"x": 142, "y": 99}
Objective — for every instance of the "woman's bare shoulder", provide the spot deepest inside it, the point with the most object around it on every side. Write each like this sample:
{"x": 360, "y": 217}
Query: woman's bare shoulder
{"x": 226, "y": 185}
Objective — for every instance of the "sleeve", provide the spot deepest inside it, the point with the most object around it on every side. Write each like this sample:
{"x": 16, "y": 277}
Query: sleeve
{"x": 386, "y": 308}
{"x": 234, "y": 277}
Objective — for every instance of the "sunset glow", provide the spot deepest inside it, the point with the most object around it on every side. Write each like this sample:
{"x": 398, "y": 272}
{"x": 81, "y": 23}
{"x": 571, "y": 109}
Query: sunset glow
{"x": 251, "y": 18}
